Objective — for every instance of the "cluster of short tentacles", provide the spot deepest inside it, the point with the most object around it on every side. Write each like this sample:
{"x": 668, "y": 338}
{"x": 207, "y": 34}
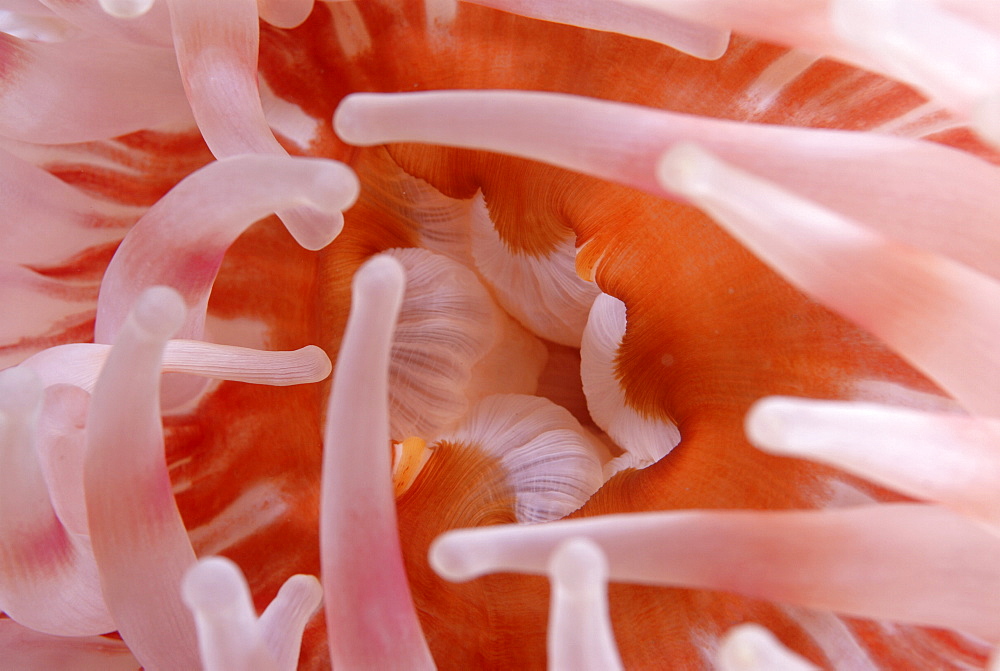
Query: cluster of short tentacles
{"x": 897, "y": 235}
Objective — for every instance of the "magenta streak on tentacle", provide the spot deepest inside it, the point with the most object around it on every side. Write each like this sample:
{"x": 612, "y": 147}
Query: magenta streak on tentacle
{"x": 137, "y": 533}
{"x": 48, "y": 576}
{"x": 217, "y": 45}
{"x": 371, "y": 620}
{"x": 920, "y": 184}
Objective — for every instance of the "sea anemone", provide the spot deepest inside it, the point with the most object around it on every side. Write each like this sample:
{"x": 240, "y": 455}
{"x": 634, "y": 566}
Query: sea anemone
{"x": 692, "y": 297}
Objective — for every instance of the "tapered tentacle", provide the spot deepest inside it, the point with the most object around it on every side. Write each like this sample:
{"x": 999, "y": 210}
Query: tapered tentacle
{"x": 139, "y": 539}
{"x": 371, "y": 621}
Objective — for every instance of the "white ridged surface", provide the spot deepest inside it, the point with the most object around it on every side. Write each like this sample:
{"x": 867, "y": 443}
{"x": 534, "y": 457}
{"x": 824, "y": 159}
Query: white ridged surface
{"x": 449, "y": 333}
{"x": 543, "y": 292}
{"x": 644, "y": 440}
{"x": 553, "y": 464}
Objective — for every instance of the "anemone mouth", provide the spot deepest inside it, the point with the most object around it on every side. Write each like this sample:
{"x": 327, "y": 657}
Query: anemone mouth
{"x": 554, "y": 291}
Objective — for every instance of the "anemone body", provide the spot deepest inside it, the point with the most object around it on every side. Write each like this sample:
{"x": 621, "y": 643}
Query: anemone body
{"x": 566, "y": 332}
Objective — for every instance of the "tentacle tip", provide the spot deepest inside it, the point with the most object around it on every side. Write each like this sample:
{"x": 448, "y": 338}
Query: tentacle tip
{"x": 447, "y": 558}
{"x": 126, "y": 9}
{"x": 286, "y": 15}
{"x": 765, "y": 425}
{"x": 348, "y": 190}
{"x": 160, "y": 311}
{"x": 349, "y": 120}
{"x": 684, "y": 169}
{"x": 308, "y": 585}
{"x": 323, "y": 364}
{"x": 337, "y": 188}
{"x": 578, "y": 562}
{"x": 213, "y": 584}
{"x": 331, "y": 221}
{"x": 381, "y": 274}
{"x": 749, "y": 647}
{"x": 712, "y": 49}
